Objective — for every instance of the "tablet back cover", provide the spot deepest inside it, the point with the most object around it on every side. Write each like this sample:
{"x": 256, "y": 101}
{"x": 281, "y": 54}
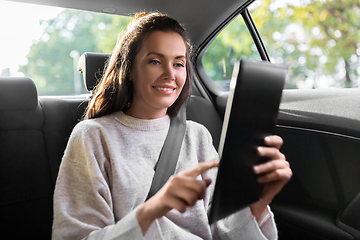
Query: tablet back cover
{"x": 251, "y": 113}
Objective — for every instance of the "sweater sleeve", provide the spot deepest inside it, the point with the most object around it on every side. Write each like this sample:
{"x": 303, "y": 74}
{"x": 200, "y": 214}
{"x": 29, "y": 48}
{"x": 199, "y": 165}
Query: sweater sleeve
{"x": 242, "y": 224}
{"x": 83, "y": 206}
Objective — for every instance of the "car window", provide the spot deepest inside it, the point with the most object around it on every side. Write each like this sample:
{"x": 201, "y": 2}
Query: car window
{"x": 44, "y": 43}
{"x": 232, "y": 44}
{"x": 317, "y": 40}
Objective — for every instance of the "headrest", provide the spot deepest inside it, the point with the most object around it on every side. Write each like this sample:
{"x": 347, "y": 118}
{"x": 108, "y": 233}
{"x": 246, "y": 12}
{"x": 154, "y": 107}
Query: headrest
{"x": 92, "y": 66}
{"x": 18, "y": 93}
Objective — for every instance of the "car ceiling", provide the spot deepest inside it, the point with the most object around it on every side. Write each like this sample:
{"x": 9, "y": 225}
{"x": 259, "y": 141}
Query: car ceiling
{"x": 201, "y": 18}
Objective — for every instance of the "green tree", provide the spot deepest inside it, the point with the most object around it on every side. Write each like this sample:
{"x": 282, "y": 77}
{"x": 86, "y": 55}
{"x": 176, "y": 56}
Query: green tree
{"x": 49, "y": 62}
{"x": 228, "y": 47}
{"x": 318, "y": 38}
{"x": 313, "y": 38}
{"x": 334, "y": 27}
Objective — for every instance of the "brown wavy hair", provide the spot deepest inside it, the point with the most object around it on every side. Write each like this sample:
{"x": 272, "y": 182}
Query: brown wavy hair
{"x": 115, "y": 90}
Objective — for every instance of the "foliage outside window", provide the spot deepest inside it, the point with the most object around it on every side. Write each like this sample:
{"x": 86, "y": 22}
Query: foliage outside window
{"x": 52, "y": 58}
{"x": 318, "y": 40}
{"x": 229, "y": 46}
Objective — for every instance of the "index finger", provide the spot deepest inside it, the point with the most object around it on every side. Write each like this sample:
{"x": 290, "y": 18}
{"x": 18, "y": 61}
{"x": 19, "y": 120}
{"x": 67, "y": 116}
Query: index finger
{"x": 201, "y": 167}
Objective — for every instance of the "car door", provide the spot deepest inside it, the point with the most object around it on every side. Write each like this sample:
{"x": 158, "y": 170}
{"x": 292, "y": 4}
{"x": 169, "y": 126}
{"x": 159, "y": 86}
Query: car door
{"x": 321, "y": 133}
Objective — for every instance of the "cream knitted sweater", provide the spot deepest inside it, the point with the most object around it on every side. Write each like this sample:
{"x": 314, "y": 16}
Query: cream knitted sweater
{"x": 107, "y": 170}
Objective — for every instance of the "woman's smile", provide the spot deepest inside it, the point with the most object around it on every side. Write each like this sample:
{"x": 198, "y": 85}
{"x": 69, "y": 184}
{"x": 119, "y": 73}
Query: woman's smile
{"x": 167, "y": 90}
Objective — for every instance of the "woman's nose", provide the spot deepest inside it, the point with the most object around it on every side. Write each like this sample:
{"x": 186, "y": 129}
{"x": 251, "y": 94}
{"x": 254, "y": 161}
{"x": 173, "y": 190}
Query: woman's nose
{"x": 169, "y": 73}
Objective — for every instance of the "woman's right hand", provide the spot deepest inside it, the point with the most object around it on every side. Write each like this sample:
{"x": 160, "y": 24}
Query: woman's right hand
{"x": 181, "y": 190}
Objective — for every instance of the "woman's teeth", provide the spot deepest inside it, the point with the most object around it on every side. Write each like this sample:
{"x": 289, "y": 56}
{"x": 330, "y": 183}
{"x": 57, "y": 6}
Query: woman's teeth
{"x": 164, "y": 89}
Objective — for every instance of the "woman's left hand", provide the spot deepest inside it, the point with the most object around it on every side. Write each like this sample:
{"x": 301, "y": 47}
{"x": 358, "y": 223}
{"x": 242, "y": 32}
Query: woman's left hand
{"x": 274, "y": 174}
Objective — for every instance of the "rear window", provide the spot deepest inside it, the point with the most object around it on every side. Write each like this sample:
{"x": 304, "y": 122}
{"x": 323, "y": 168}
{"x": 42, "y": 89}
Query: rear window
{"x": 44, "y": 43}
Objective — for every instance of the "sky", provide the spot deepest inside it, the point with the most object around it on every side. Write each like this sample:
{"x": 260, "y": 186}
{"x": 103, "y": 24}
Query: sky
{"x": 19, "y": 26}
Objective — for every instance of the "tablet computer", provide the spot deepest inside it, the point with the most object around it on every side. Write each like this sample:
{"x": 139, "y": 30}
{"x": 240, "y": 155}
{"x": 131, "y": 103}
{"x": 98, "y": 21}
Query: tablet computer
{"x": 251, "y": 113}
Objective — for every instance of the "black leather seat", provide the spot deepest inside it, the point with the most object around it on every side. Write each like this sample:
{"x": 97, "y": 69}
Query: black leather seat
{"x": 25, "y": 178}
{"x": 33, "y": 136}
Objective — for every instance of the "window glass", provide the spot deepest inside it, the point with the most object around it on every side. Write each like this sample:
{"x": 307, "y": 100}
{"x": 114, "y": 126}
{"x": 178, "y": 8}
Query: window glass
{"x": 319, "y": 40}
{"x": 232, "y": 44}
{"x": 44, "y": 43}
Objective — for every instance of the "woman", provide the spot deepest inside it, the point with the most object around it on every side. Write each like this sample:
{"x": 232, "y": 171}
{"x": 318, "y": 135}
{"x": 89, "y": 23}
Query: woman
{"x": 108, "y": 165}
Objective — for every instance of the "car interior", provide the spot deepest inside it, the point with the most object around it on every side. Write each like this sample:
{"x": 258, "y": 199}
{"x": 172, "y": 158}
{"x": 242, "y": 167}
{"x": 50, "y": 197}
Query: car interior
{"x": 320, "y": 129}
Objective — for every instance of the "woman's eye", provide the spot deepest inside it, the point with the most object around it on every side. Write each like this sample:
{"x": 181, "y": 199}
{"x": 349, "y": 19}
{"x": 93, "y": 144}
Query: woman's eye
{"x": 154, "y": 62}
{"x": 179, "y": 65}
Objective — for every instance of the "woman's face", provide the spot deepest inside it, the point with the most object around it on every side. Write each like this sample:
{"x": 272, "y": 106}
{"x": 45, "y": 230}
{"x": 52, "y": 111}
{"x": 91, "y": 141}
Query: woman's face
{"x": 158, "y": 74}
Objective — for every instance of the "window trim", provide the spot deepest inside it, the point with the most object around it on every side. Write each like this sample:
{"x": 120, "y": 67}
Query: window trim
{"x": 210, "y": 90}
{"x": 255, "y": 35}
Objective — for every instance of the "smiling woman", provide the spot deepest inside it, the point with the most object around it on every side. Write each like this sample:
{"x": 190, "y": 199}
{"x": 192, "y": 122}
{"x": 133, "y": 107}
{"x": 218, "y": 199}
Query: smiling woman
{"x": 111, "y": 157}
{"x": 167, "y": 62}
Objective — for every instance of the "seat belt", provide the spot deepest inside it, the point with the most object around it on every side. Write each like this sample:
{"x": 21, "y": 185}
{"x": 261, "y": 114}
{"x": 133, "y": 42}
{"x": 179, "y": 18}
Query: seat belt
{"x": 165, "y": 167}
